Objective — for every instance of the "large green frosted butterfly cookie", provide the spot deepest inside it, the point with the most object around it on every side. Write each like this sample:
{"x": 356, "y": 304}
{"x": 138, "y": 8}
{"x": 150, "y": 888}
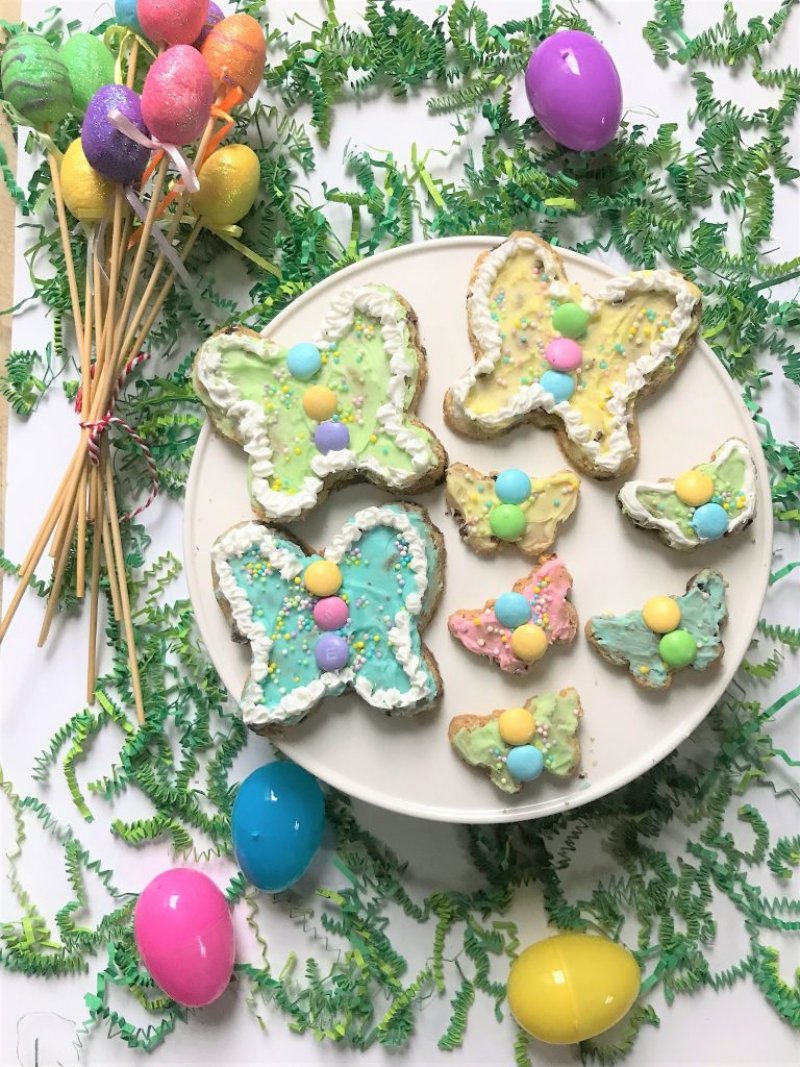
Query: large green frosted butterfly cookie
{"x": 319, "y": 414}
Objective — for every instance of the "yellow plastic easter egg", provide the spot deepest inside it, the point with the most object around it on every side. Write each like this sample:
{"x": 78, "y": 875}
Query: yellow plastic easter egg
{"x": 87, "y": 194}
{"x": 661, "y": 614}
{"x": 529, "y": 642}
{"x": 694, "y": 488}
{"x": 229, "y": 183}
{"x": 571, "y": 987}
{"x": 516, "y": 726}
{"x": 322, "y": 578}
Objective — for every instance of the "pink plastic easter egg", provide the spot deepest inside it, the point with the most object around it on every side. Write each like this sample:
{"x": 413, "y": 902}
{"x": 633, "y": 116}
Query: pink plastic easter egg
{"x": 172, "y": 21}
{"x": 184, "y": 934}
{"x": 177, "y": 95}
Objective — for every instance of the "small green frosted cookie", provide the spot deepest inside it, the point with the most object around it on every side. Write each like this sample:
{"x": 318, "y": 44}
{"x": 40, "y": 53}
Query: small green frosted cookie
{"x": 712, "y": 500}
{"x": 668, "y": 634}
{"x": 516, "y": 744}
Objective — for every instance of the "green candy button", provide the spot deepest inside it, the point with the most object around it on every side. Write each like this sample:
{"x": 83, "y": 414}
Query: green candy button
{"x": 678, "y": 648}
{"x": 507, "y": 521}
{"x": 570, "y": 320}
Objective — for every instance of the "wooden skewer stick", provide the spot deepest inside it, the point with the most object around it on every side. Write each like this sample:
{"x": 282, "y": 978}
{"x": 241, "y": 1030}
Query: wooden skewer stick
{"x": 94, "y": 600}
{"x": 58, "y": 578}
{"x": 113, "y": 585}
{"x": 80, "y": 567}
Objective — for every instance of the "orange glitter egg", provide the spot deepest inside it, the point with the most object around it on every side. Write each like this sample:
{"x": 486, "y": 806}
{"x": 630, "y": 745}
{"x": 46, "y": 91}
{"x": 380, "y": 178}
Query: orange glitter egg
{"x": 236, "y": 52}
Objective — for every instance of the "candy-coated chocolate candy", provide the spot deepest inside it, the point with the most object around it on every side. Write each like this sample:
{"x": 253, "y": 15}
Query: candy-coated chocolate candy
{"x": 512, "y": 609}
{"x": 35, "y": 80}
{"x": 184, "y": 933}
{"x": 661, "y": 614}
{"x": 322, "y": 578}
{"x": 694, "y": 488}
{"x": 564, "y": 354}
{"x": 277, "y": 823}
{"x": 319, "y": 402}
{"x": 331, "y": 437}
{"x": 303, "y": 360}
{"x": 574, "y": 90}
{"x": 109, "y": 151}
{"x": 90, "y": 66}
{"x": 235, "y": 51}
{"x": 512, "y": 486}
{"x": 572, "y": 987}
{"x": 215, "y": 15}
{"x": 562, "y": 386}
{"x": 229, "y": 181}
{"x": 516, "y": 726}
{"x": 710, "y": 521}
{"x": 525, "y": 763}
{"x": 125, "y": 14}
{"x": 331, "y": 652}
{"x": 677, "y": 648}
{"x": 529, "y": 642}
{"x": 172, "y": 21}
{"x": 571, "y": 320}
{"x": 87, "y": 194}
{"x": 507, "y": 521}
{"x": 177, "y": 95}
{"x": 331, "y": 613}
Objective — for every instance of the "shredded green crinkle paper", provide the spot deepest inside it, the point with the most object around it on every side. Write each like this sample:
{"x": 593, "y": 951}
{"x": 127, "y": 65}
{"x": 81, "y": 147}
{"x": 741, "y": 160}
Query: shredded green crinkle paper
{"x": 644, "y": 196}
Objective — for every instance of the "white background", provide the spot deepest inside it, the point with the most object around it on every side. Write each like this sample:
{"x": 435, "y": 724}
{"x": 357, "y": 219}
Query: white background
{"x": 41, "y": 690}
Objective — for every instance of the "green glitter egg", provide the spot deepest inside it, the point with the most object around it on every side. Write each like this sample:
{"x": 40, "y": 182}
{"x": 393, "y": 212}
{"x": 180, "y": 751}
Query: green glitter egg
{"x": 35, "y": 81}
{"x": 570, "y": 320}
{"x": 677, "y": 649}
{"x": 507, "y": 521}
{"x": 90, "y": 66}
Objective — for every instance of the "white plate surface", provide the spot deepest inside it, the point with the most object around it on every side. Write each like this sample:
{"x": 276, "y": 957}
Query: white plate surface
{"x": 407, "y": 765}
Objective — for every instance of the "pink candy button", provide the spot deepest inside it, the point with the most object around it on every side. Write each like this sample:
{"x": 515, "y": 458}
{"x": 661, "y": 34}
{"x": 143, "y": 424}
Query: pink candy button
{"x": 563, "y": 354}
{"x": 330, "y": 613}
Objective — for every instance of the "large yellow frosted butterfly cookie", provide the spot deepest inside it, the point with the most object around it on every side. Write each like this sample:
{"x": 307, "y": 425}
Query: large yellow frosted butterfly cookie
{"x": 548, "y": 353}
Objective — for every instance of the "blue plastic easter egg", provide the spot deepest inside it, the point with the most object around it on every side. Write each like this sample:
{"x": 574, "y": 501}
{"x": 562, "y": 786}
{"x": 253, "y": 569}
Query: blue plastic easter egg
{"x": 512, "y": 486}
{"x": 512, "y": 609}
{"x": 562, "y": 386}
{"x": 125, "y": 14}
{"x": 525, "y": 762}
{"x": 303, "y": 360}
{"x": 277, "y": 825}
{"x": 710, "y": 521}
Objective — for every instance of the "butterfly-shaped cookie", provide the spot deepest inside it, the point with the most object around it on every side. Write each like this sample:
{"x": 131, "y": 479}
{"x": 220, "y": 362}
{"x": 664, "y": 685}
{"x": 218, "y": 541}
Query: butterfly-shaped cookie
{"x": 319, "y": 414}
{"x": 546, "y": 352}
{"x": 516, "y": 744}
{"x": 350, "y": 618}
{"x": 715, "y": 499}
{"x": 516, "y": 629}
{"x": 668, "y": 634}
{"x": 496, "y": 510}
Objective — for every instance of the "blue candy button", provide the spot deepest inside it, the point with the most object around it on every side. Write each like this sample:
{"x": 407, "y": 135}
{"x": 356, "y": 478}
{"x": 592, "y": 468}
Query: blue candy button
{"x": 512, "y": 610}
{"x": 562, "y": 386}
{"x": 512, "y": 486}
{"x": 525, "y": 762}
{"x": 710, "y": 521}
{"x": 303, "y": 360}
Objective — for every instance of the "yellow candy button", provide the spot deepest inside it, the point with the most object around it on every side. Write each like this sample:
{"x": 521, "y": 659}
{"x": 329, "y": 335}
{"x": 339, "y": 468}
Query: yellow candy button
{"x": 529, "y": 642}
{"x": 322, "y": 578}
{"x": 516, "y": 726}
{"x": 694, "y": 488}
{"x": 319, "y": 403}
{"x": 661, "y": 614}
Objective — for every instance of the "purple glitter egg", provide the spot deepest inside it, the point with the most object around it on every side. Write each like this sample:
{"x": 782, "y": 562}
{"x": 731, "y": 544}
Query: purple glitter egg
{"x": 215, "y": 15}
{"x": 331, "y": 436}
{"x": 331, "y": 652}
{"x": 110, "y": 152}
{"x": 574, "y": 90}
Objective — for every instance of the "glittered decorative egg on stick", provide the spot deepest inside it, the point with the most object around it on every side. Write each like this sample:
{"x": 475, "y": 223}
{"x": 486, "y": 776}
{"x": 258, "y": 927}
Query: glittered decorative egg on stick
{"x": 236, "y": 52}
{"x": 90, "y": 66}
{"x": 172, "y": 21}
{"x": 125, "y": 14}
{"x": 215, "y": 15}
{"x": 574, "y": 90}
{"x": 35, "y": 80}
{"x": 87, "y": 194}
{"x": 228, "y": 185}
{"x": 177, "y": 96}
{"x": 111, "y": 152}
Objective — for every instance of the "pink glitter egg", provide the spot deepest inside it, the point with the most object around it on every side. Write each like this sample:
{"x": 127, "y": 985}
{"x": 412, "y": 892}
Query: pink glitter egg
{"x": 563, "y": 354}
{"x": 331, "y": 613}
{"x": 177, "y": 95}
{"x": 172, "y": 21}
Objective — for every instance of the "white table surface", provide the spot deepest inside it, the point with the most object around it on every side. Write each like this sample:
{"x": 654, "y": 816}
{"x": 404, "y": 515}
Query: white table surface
{"x": 40, "y": 690}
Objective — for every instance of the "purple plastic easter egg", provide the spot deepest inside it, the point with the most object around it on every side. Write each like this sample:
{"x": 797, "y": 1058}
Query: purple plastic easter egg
{"x": 215, "y": 15}
{"x": 574, "y": 90}
{"x": 172, "y": 21}
{"x": 184, "y": 933}
{"x": 177, "y": 95}
{"x": 111, "y": 152}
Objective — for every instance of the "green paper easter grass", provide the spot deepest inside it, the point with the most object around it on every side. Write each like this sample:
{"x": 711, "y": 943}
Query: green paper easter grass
{"x": 645, "y": 196}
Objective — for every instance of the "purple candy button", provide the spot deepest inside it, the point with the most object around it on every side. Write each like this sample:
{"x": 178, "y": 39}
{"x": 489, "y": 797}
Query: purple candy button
{"x": 331, "y": 436}
{"x": 331, "y": 652}
{"x": 109, "y": 151}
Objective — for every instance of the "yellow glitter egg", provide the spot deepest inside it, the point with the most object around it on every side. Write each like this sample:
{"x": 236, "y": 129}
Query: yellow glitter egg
{"x": 529, "y": 642}
{"x": 516, "y": 726}
{"x": 319, "y": 403}
{"x": 694, "y": 488}
{"x": 87, "y": 194}
{"x": 322, "y": 578}
{"x": 661, "y": 614}
{"x": 228, "y": 185}
{"x": 572, "y": 987}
